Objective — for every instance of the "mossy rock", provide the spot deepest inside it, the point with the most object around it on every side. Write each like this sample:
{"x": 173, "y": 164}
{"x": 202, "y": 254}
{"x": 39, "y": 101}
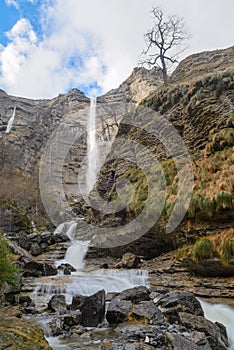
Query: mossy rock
{"x": 16, "y": 333}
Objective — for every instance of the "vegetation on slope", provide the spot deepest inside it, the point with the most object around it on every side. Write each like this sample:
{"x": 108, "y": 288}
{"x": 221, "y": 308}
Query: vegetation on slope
{"x": 219, "y": 246}
{"x": 8, "y": 271}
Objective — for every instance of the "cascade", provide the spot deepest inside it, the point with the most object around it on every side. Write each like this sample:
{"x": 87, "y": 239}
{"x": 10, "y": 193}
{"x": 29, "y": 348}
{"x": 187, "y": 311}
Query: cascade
{"x": 223, "y": 314}
{"x": 10, "y": 122}
{"x": 92, "y": 154}
{"x": 81, "y": 281}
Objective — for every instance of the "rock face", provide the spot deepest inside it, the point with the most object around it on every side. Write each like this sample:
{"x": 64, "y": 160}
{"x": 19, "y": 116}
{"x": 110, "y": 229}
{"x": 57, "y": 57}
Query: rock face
{"x": 136, "y": 87}
{"x": 200, "y": 108}
{"x": 197, "y": 104}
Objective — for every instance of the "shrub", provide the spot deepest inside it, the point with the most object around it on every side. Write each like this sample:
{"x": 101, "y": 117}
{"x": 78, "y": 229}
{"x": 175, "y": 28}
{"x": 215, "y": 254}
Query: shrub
{"x": 227, "y": 250}
{"x": 203, "y": 249}
{"x": 8, "y": 271}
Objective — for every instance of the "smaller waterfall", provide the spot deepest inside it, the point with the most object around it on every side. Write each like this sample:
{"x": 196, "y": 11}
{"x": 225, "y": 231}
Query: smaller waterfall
{"x": 10, "y": 122}
{"x": 76, "y": 254}
{"x": 223, "y": 314}
{"x": 92, "y": 154}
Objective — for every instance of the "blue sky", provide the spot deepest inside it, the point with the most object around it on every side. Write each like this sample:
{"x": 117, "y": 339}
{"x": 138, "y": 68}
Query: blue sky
{"x": 50, "y": 46}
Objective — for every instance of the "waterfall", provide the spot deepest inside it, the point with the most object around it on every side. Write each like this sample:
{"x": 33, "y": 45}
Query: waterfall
{"x": 10, "y": 122}
{"x": 223, "y": 314}
{"x": 81, "y": 281}
{"x": 76, "y": 254}
{"x": 92, "y": 154}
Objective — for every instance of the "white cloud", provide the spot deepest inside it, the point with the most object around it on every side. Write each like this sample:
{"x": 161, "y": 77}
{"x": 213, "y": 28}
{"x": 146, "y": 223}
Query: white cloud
{"x": 12, "y": 3}
{"x": 90, "y": 41}
{"x": 15, "y": 54}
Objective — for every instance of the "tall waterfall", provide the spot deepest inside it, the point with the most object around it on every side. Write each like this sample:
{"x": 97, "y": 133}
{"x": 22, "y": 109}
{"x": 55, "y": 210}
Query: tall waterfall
{"x": 10, "y": 122}
{"x": 93, "y": 155}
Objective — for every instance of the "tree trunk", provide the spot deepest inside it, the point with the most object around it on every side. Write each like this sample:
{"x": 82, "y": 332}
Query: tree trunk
{"x": 164, "y": 70}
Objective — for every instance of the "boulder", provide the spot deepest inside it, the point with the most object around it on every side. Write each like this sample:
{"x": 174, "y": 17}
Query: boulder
{"x": 66, "y": 268}
{"x": 56, "y": 327}
{"x": 174, "y": 302}
{"x": 35, "y": 249}
{"x": 92, "y": 308}
{"x": 72, "y": 320}
{"x": 179, "y": 342}
{"x": 216, "y": 338}
{"x": 36, "y": 269}
{"x": 146, "y": 311}
{"x": 118, "y": 311}
{"x": 130, "y": 261}
{"x": 57, "y": 303}
{"x": 136, "y": 294}
{"x": 24, "y": 241}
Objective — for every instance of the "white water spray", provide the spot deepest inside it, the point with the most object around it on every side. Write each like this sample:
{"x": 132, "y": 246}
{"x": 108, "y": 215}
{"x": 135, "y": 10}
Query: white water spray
{"x": 93, "y": 154}
{"x": 223, "y": 314}
{"x": 10, "y": 122}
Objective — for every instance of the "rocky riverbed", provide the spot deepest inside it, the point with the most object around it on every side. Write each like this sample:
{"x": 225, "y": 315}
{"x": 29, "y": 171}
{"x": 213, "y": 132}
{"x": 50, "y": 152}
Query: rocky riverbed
{"x": 165, "y": 316}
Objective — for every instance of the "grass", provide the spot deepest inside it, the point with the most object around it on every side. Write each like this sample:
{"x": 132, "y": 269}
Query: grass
{"x": 219, "y": 246}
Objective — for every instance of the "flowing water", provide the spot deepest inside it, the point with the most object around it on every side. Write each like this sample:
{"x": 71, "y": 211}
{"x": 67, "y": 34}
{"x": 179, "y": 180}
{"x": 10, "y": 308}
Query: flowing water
{"x": 82, "y": 281}
{"x": 223, "y": 314}
{"x": 10, "y": 122}
{"x": 87, "y": 282}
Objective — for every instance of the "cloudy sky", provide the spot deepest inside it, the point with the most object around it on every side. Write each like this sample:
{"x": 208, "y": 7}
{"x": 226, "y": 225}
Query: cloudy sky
{"x": 48, "y": 47}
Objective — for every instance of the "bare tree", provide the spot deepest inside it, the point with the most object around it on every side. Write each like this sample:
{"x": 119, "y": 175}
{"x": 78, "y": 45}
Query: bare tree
{"x": 164, "y": 41}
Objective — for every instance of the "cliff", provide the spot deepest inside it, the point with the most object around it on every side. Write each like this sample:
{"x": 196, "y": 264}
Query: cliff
{"x": 198, "y": 103}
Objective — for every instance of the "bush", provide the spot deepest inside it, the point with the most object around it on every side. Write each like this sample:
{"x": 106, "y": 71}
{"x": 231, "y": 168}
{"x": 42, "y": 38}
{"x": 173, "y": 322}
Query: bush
{"x": 227, "y": 250}
{"x": 203, "y": 249}
{"x": 8, "y": 271}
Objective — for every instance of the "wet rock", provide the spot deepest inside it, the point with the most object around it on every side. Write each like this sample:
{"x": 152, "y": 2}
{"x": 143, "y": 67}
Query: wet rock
{"x": 36, "y": 269}
{"x": 24, "y": 241}
{"x": 130, "y": 261}
{"x": 77, "y": 302}
{"x": 174, "y": 302}
{"x": 147, "y": 311}
{"x": 66, "y": 268}
{"x": 216, "y": 339}
{"x": 118, "y": 311}
{"x": 179, "y": 342}
{"x": 136, "y": 294}
{"x": 59, "y": 238}
{"x": 92, "y": 308}
{"x": 72, "y": 320}
{"x": 57, "y": 303}
{"x": 49, "y": 270}
{"x": 56, "y": 327}
{"x": 35, "y": 249}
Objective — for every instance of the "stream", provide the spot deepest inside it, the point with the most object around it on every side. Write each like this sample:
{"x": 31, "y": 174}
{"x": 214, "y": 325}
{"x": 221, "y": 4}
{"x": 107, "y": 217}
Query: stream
{"x": 87, "y": 282}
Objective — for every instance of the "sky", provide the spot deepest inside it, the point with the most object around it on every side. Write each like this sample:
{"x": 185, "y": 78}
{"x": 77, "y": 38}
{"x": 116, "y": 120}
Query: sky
{"x": 48, "y": 47}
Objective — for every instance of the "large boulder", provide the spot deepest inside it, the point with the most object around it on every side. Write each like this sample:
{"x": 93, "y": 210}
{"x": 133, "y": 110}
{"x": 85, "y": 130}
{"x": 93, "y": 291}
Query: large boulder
{"x": 136, "y": 294}
{"x": 92, "y": 308}
{"x": 174, "y": 302}
{"x": 215, "y": 335}
{"x": 57, "y": 303}
{"x": 118, "y": 311}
